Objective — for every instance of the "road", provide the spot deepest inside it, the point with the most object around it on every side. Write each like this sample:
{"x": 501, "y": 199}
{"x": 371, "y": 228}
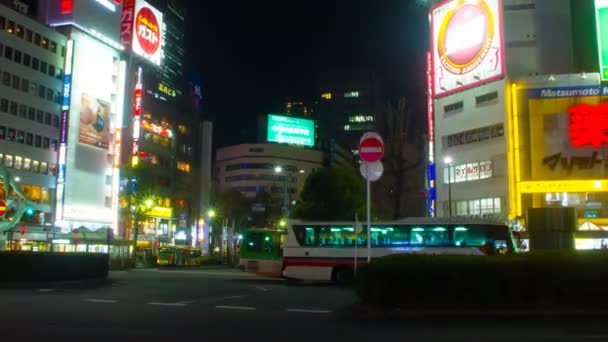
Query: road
{"x": 225, "y": 304}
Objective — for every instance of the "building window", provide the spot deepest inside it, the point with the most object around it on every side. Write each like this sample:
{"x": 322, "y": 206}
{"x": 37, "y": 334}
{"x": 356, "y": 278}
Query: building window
{"x": 37, "y": 39}
{"x": 4, "y": 105}
{"x": 51, "y": 70}
{"x": 8, "y": 52}
{"x": 326, "y": 96}
{"x": 27, "y": 164}
{"x": 486, "y": 98}
{"x": 1, "y": 49}
{"x": 46, "y": 143}
{"x": 10, "y": 134}
{"x": 55, "y": 121}
{"x": 25, "y": 85}
{"x": 33, "y": 88}
{"x": 2, "y": 22}
{"x": 19, "y": 31}
{"x": 40, "y": 116}
{"x": 38, "y": 141}
{"x": 27, "y": 59}
{"x": 41, "y": 91}
{"x": 454, "y": 107}
{"x": 35, "y": 63}
{"x": 53, "y": 47}
{"x": 54, "y": 145}
{"x": 47, "y": 118}
{"x": 35, "y": 166}
{"x": 44, "y": 168}
{"x": 31, "y": 113}
{"x": 351, "y": 94}
{"x": 18, "y": 56}
{"x": 2, "y": 132}
{"x": 8, "y": 161}
{"x": 14, "y": 108}
{"x": 6, "y": 79}
{"x": 29, "y": 139}
{"x": 29, "y": 35}
{"x": 23, "y": 111}
{"x": 10, "y": 27}
{"x": 49, "y": 94}
{"x": 45, "y": 42}
{"x": 16, "y": 82}
{"x": 44, "y": 67}
{"x": 21, "y": 137}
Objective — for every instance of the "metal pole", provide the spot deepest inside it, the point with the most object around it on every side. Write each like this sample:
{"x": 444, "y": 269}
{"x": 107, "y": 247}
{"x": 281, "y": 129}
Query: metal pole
{"x": 356, "y": 241}
{"x": 369, "y": 219}
{"x": 450, "y": 189}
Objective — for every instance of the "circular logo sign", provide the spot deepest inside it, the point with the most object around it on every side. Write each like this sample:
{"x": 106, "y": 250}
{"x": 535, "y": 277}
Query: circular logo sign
{"x": 465, "y": 36}
{"x": 148, "y": 31}
{"x": 2, "y": 208}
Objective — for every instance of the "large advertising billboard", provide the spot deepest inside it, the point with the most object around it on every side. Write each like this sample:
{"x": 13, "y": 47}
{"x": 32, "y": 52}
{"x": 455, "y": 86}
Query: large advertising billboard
{"x": 94, "y": 127}
{"x": 290, "y": 130}
{"x": 601, "y": 20}
{"x": 142, "y": 30}
{"x": 467, "y": 44}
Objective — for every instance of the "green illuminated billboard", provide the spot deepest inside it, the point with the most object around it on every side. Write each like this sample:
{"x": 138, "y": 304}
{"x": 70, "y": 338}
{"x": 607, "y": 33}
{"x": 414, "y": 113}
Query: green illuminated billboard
{"x": 601, "y": 20}
{"x": 289, "y": 130}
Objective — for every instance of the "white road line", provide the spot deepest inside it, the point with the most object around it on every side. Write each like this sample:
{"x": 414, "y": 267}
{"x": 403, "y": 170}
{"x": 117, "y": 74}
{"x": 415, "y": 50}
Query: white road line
{"x": 234, "y": 297}
{"x": 261, "y": 288}
{"x": 45, "y": 290}
{"x": 227, "y": 307}
{"x": 102, "y": 300}
{"x": 310, "y": 311}
{"x": 167, "y": 304}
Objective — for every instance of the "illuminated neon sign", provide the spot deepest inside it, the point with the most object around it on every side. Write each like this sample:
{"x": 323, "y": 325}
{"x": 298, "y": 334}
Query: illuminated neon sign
{"x": 160, "y": 130}
{"x": 63, "y": 137}
{"x": 589, "y": 125}
{"x": 166, "y": 90}
{"x": 137, "y": 111}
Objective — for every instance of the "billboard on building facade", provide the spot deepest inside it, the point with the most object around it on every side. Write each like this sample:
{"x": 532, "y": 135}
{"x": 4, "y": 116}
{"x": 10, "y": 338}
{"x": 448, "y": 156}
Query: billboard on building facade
{"x": 601, "y": 21}
{"x": 467, "y": 44}
{"x": 290, "y": 130}
{"x": 142, "y": 30}
{"x": 94, "y": 127}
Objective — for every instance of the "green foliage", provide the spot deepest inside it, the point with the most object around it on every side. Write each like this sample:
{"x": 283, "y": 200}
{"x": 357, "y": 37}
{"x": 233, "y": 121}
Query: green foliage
{"x": 522, "y": 281}
{"x": 332, "y": 193}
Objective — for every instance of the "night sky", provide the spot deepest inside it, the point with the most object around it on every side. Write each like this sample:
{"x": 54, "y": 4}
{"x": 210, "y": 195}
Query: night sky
{"x": 252, "y": 54}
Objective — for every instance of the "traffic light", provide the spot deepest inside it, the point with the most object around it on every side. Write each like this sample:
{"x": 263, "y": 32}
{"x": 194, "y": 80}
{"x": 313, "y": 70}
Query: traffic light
{"x": 29, "y": 211}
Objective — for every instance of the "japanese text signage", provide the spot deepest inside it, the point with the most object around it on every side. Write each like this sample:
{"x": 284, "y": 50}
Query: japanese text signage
{"x": 589, "y": 125}
{"x": 601, "y": 18}
{"x": 142, "y": 30}
{"x": 290, "y": 130}
{"x": 467, "y": 172}
{"x": 467, "y": 44}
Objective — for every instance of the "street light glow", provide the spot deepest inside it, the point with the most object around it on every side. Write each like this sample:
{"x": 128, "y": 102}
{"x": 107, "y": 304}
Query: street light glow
{"x": 149, "y": 203}
{"x": 302, "y": 171}
{"x": 278, "y": 169}
{"x": 211, "y": 213}
{"x": 448, "y": 160}
{"x": 282, "y": 223}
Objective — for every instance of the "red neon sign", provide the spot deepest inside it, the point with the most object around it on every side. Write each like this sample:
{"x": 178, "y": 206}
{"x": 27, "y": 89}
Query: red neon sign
{"x": 137, "y": 100}
{"x": 429, "y": 97}
{"x": 66, "y": 6}
{"x": 589, "y": 125}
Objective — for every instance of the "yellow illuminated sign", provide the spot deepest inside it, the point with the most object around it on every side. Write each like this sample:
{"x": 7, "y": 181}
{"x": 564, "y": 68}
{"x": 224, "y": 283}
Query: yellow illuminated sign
{"x": 161, "y": 212}
{"x": 163, "y": 88}
{"x": 563, "y": 186}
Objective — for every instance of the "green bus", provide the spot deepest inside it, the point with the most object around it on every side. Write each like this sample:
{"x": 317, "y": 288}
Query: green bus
{"x": 261, "y": 251}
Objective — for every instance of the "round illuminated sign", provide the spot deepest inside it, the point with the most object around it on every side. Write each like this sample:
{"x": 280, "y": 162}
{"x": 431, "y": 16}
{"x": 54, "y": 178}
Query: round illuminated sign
{"x": 465, "y": 36}
{"x": 148, "y": 31}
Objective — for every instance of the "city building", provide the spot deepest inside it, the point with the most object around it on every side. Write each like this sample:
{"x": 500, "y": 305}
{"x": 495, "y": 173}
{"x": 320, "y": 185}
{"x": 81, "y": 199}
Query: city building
{"x": 32, "y": 62}
{"x": 349, "y": 102}
{"x": 276, "y": 168}
{"x": 92, "y": 99}
{"x": 486, "y": 126}
{"x": 163, "y": 128}
{"x": 295, "y": 107}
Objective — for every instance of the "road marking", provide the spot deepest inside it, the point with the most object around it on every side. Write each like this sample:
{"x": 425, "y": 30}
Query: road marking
{"x": 227, "y": 307}
{"x": 45, "y": 290}
{"x": 167, "y": 304}
{"x": 101, "y": 300}
{"x": 234, "y": 297}
{"x": 310, "y": 311}
{"x": 261, "y": 288}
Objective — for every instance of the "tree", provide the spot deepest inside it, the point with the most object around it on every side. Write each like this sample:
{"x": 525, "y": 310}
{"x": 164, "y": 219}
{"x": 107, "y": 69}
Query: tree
{"x": 403, "y": 149}
{"x": 332, "y": 193}
{"x": 271, "y": 209}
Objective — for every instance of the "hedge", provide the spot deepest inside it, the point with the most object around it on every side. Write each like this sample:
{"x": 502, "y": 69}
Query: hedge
{"x": 522, "y": 281}
{"x": 41, "y": 266}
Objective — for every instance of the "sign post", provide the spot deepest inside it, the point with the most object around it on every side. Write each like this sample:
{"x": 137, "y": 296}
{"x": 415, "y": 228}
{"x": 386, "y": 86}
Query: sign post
{"x": 371, "y": 150}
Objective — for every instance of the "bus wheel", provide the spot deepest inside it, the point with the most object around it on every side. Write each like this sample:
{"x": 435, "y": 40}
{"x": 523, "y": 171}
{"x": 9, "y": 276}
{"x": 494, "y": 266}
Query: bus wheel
{"x": 343, "y": 276}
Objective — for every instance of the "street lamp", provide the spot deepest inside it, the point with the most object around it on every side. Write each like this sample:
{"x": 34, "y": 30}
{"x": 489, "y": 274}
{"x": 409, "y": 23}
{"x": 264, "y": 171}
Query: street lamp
{"x": 278, "y": 169}
{"x": 448, "y": 160}
{"x": 211, "y": 213}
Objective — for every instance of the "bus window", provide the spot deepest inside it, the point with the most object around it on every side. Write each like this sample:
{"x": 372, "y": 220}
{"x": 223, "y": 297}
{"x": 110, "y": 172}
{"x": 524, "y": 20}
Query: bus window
{"x": 310, "y": 237}
{"x": 417, "y": 236}
{"x": 437, "y": 236}
{"x": 469, "y": 236}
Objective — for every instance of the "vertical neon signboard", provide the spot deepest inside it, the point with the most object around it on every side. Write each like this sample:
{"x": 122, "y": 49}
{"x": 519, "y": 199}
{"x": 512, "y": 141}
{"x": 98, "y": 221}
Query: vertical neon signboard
{"x": 63, "y": 140}
{"x": 137, "y": 100}
{"x": 601, "y": 21}
{"x": 431, "y": 135}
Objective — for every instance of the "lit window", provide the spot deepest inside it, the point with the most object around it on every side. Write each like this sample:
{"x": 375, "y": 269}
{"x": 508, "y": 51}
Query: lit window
{"x": 347, "y": 127}
{"x": 326, "y": 96}
{"x": 351, "y": 94}
{"x": 183, "y": 166}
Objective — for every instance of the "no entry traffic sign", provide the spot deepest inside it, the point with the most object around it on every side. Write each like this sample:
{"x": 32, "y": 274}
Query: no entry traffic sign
{"x": 371, "y": 147}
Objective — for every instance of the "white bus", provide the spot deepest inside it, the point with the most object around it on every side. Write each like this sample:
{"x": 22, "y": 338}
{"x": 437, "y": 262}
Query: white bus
{"x": 325, "y": 251}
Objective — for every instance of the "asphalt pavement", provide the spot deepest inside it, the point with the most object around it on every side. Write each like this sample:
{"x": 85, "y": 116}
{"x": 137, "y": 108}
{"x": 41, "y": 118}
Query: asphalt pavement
{"x": 228, "y": 305}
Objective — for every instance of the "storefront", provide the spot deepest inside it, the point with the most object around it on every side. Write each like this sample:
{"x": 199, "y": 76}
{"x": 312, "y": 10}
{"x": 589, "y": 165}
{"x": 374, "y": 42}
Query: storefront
{"x": 557, "y": 138}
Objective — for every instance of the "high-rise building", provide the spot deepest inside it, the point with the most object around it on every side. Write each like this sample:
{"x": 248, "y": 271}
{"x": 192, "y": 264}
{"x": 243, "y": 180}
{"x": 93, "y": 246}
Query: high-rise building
{"x": 349, "y": 102}
{"x": 165, "y": 123}
{"x": 32, "y": 62}
{"x": 484, "y": 55}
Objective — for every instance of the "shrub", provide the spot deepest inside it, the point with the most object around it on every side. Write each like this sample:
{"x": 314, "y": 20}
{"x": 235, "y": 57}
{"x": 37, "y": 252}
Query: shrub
{"x": 534, "y": 280}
